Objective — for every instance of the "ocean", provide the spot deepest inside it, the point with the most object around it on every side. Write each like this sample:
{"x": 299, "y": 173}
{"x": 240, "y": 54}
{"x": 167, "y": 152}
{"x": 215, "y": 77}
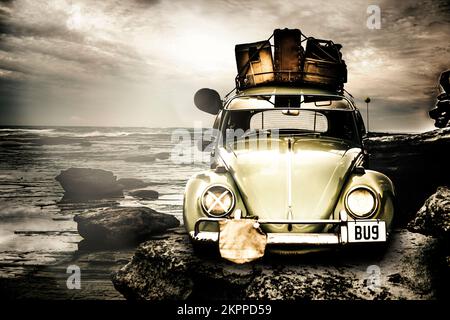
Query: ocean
{"x": 36, "y": 227}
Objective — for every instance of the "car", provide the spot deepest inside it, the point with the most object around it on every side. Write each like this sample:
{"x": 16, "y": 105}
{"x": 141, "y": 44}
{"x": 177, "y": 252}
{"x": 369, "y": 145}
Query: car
{"x": 293, "y": 160}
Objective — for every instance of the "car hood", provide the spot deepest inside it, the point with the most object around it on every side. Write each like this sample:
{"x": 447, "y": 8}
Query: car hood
{"x": 290, "y": 178}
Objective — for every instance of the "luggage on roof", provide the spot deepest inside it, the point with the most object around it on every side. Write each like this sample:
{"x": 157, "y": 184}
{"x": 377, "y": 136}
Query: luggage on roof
{"x": 323, "y": 64}
{"x": 254, "y": 63}
{"x": 318, "y": 64}
{"x": 289, "y": 55}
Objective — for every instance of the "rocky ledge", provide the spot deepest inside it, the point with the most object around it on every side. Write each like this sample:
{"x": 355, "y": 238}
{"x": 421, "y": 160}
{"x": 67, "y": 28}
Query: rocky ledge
{"x": 169, "y": 269}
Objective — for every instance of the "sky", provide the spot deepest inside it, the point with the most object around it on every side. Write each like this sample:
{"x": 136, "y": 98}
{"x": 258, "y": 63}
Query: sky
{"x": 139, "y": 62}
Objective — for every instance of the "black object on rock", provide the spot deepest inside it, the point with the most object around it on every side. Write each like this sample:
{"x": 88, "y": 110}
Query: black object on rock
{"x": 86, "y": 183}
{"x": 441, "y": 113}
{"x": 122, "y": 226}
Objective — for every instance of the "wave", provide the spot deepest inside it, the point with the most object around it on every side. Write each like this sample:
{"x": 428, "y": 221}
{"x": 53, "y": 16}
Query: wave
{"x": 10, "y": 131}
{"x": 85, "y": 132}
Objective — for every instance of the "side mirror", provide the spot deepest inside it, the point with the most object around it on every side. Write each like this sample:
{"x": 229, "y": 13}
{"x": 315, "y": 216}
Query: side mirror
{"x": 208, "y": 100}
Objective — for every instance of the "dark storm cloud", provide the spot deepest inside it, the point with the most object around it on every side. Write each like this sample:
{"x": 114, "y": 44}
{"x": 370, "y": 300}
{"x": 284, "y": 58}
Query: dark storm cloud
{"x": 138, "y": 62}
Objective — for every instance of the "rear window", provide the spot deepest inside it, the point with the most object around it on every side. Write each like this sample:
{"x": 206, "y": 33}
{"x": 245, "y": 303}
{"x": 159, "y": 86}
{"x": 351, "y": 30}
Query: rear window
{"x": 307, "y": 120}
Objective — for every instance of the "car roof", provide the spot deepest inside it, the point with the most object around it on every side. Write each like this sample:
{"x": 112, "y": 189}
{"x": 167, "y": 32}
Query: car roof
{"x": 283, "y": 90}
{"x": 279, "y": 90}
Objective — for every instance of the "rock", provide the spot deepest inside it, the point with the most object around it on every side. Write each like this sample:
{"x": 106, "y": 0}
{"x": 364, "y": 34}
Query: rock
{"x": 144, "y": 147}
{"x": 416, "y": 163}
{"x": 88, "y": 183}
{"x": 162, "y": 155}
{"x": 434, "y": 217}
{"x": 122, "y": 226}
{"x": 142, "y": 158}
{"x": 145, "y": 194}
{"x": 168, "y": 269}
{"x": 132, "y": 183}
{"x": 85, "y": 144}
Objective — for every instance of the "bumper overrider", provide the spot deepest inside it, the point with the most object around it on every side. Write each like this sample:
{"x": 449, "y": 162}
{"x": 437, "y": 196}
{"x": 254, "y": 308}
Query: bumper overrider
{"x": 345, "y": 231}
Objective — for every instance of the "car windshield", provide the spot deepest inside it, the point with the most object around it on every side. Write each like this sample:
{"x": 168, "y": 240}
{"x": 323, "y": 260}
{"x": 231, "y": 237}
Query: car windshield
{"x": 250, "y": 123}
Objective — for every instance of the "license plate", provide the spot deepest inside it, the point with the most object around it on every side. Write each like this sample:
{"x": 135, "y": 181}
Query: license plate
{"x": 366, "y": 231}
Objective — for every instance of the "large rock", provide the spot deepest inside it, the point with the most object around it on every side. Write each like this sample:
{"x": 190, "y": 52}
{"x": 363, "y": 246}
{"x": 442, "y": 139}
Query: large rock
{"x": 168, "y": 269}
{"x": 434, "y": 216}
{"x": 416, "y": 163}
{"x": 88, "y": 183}
{"x": 122, "y": 226}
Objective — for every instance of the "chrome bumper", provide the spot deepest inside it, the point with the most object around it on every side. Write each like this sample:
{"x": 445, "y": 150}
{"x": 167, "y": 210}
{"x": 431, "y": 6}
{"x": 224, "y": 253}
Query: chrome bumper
{"x": 337, "y": 238}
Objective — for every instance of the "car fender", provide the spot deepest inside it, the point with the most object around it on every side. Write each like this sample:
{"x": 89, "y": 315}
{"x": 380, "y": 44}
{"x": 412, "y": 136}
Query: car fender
{"x": 196, "y": 186}
{"x": 381, "y": 185}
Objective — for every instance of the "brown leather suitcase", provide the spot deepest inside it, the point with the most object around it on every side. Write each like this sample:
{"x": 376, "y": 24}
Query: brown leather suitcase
{"x": 254, "y": 63}
{"x": 288, "y": 55}
{"x": 323, "y": 64}
{"x": 324, "y": 73}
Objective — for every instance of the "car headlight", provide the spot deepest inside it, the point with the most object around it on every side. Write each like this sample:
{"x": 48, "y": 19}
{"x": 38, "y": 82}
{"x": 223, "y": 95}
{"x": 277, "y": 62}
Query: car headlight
{"x": 361, "y": 202}
{"x": 218, "y": 201}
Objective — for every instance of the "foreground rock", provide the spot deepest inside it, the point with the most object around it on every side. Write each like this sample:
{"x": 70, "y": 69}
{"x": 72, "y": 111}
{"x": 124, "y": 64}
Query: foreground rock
{"x": 168, "y": 269}
{"x": 434, "y": 217}
{"x": 416, "y": 163}
{"x": 86, "y": 183}
{"x": 122, "y": 226}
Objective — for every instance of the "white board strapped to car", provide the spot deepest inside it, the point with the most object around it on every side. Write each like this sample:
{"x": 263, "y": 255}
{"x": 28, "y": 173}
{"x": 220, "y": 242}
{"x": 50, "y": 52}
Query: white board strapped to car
{"x": 319, "y": 63}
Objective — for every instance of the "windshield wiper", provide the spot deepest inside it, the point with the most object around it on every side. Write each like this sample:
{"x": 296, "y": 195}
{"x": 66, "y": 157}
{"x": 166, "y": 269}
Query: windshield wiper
{"x": 317, "y": 134}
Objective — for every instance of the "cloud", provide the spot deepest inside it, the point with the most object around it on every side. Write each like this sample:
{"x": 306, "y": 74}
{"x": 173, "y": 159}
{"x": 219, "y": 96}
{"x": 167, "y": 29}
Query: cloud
{"x": 139, "y": 62}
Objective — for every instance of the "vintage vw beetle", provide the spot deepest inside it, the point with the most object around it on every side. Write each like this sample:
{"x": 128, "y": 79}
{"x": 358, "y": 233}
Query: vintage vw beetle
{"x": 293, "y": 160}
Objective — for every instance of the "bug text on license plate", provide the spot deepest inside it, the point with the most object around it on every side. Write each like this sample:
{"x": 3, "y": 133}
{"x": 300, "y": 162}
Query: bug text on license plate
{"x": 366, "y": 231}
